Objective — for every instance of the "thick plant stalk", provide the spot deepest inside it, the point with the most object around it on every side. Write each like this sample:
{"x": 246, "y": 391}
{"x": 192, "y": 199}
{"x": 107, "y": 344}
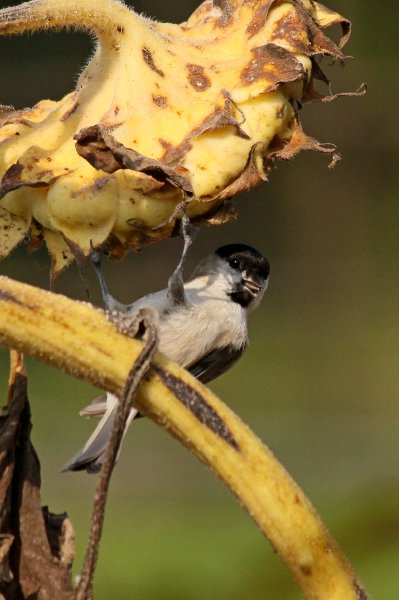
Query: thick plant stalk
{"x": 79, "y": 339}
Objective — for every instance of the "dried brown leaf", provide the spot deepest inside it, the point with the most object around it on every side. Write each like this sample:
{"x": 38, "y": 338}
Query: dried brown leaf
{"x": 101, "y": 150}
{"x": 29, "y": 567}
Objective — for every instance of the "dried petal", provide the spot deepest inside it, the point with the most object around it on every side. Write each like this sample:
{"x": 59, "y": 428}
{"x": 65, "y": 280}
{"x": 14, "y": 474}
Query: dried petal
{"x": 13, "y": 229}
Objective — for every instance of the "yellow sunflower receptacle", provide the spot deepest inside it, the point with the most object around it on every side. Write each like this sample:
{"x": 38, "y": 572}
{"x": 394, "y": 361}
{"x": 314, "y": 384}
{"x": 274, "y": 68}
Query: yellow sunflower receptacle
{"x": 164, "y": 117}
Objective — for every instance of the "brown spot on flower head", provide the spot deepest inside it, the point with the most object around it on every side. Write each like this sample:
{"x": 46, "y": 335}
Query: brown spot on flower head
{"x": 149, "y": 60}
{"x": 197, "y": 77}
{"x": 273, "y": 65}
{"x": 160, "y": 101}
{"x": 259, "y": 19}
{"x": 166, "y": 145}
{"x": 293, "y": 30}
{"x": 70, "y": 112}
{"x": 227, "y": 12}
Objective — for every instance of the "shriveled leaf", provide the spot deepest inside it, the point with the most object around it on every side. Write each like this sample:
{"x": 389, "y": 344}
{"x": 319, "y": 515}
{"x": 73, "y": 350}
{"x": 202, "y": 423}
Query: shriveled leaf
{"x": 30, "y": 565}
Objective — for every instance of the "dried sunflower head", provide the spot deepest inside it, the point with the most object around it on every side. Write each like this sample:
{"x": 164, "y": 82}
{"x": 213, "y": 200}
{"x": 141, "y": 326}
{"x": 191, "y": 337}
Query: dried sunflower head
{"x": 163, "y": 117}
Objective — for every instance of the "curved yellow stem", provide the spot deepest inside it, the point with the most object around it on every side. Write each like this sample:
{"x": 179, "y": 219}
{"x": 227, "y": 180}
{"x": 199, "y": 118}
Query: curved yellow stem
{"x": 79, "y": 339}
{"x": 102, "y": 17}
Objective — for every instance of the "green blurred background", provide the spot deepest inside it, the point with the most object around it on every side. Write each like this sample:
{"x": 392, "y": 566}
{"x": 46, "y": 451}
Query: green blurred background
{"x": 319, "y": 383}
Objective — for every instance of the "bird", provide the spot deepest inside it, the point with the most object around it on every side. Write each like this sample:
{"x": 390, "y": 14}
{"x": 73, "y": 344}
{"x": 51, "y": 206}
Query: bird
{"x": 202, "y": 327}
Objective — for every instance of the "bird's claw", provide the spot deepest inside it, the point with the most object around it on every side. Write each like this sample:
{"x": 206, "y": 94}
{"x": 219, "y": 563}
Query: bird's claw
{"x": 95, "y": 257}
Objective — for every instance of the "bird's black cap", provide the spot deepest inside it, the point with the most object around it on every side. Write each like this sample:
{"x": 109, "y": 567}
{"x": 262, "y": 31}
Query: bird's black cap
{"x": 230, "y": 249}
{"x": 246, "y": 256}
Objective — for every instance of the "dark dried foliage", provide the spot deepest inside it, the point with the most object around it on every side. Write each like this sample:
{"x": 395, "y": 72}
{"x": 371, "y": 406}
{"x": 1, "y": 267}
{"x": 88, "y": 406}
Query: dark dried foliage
{"x": 36, "y": 547}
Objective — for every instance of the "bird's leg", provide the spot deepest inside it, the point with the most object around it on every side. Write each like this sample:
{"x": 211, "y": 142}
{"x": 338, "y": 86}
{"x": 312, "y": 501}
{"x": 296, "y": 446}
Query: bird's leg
{"x": 175, "y": 283}
{"x": 109, "y": 301}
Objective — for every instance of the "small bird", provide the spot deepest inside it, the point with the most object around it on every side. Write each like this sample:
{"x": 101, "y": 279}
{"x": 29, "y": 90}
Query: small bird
{"x": 202, "y": 327}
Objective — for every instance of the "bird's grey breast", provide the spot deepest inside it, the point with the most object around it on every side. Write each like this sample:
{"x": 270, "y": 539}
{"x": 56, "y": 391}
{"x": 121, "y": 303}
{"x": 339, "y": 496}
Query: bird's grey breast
{"x": 189, "y": 332}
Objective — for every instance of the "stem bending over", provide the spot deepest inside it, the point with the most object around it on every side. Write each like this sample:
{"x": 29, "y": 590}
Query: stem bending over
{"x": 79, "y": 339}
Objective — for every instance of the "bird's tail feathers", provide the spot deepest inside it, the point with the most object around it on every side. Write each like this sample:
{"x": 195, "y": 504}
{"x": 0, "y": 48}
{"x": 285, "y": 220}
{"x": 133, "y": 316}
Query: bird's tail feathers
{"x": 91, "y": 456}
{"x": 98, "y": 406}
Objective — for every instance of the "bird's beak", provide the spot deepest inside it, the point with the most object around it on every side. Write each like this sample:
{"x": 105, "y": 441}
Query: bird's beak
{"x": 252, "y": 287}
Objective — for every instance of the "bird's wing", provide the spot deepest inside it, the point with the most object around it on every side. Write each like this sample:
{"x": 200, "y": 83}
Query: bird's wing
{"x": 215, "y": 363}
{"x": 91, "y": 456}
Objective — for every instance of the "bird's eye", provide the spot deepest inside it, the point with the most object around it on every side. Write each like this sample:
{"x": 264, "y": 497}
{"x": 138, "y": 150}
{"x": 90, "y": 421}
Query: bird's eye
{"x": 234, "y": 263}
